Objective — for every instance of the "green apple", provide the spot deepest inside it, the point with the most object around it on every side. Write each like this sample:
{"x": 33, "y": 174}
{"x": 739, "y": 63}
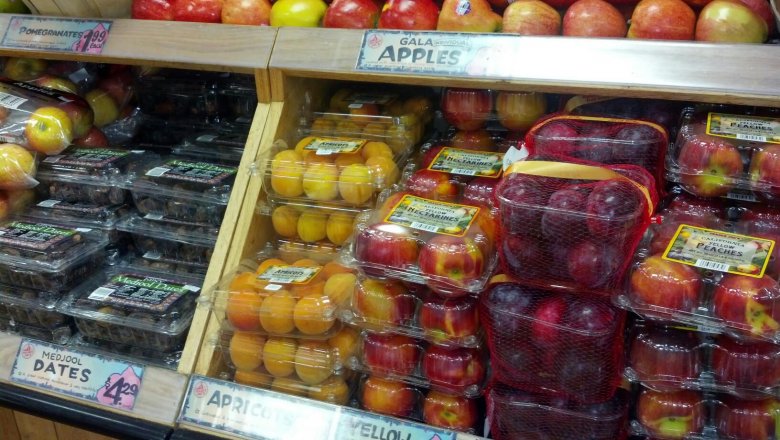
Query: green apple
{"x": 729, "y": 21}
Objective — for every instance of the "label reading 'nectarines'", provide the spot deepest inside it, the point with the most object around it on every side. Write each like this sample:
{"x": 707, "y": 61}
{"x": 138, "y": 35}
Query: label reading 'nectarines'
{"x": 200, "y": 172}
{"x": 720, "y": 251}
{"x": 325, "y": 146}
{"x": 38, "y": 236}
{"x": 433, "y": 216}
{"x": 745, "y": 128}
{"x": 141, "y": 292}
{"x": 289, "y": 274}
{"x": 468, "y": 162}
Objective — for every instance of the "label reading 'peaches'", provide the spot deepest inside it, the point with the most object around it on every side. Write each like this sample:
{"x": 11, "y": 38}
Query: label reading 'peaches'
{"x": 468, "y": 162}
{"x": 745, "y": 128}
{"x": 433, "y": 216}
{"x": 289, "y": 274}
{"x": 720, "y": 251}
{"x": 328, "y": 146}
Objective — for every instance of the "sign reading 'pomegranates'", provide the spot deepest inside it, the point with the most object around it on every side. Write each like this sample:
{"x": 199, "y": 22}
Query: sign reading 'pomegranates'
{"x": 90, "y": 377}
{"x": 57, "y": 34}
{"x": 436, "y": 53}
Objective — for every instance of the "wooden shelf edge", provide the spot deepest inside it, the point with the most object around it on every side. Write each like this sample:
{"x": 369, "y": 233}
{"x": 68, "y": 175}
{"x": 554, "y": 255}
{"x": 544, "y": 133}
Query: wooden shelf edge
{"x": 615, "y": 67}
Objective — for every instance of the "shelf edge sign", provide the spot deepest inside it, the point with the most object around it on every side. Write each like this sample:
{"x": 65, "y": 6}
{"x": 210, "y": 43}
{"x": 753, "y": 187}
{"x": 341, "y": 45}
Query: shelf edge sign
{"x": 437, "y": 53}
{"x": 57, "y": 34}
{"x": 91, "y": 377}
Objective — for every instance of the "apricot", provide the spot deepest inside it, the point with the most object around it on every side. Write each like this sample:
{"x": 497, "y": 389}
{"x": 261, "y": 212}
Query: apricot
{"x": 285, "y": 220}
{"x": 313, "y": 362}
{"x": 242, "y": 309}
{"x": 319, "y": 158}
{"x": 376, "y": 148}
{"x": 345, "y": 159}
{"x": 301, "y": 145}
{"x": 312, "y": 225}
{"x": 268, "y": 263}
{"x": 245, "y": 282}
{"x": 339, "y": 227}
{"x": 313, "y": 287}
{"x": 320, "y": 182}
{"x": 246, "y": 350}
{"x": 323, "y": 126}
{"x": 374, "y": 130}
{"x": 347, "y": 128}
{"x": 332, "y": 268}
{"x": 399, "y": 138}
{"x": 279, "y": 356}
{"x": 289, "y": 386}
{"x": 306, "y": 262}
{"x": 314, "y": 314}
{"x": 338, "y": 102}
{"x": 345, "y": 343}
{"x": 340, "y": 288}
{"x": 276, "y": 313}
{"x": 355, "y": 184}
{"x": 363, "y": 113}
{"x": 287, "y": 173}
{"x": 334, "y": 390}
{"x": 257, "y": 379}
{"x": 384, "y": 171}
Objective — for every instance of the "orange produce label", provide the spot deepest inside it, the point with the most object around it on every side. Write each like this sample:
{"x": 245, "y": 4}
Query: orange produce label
{"x": 744, "y": 128}
{"x": 327, "y": 146}
{"x": 433, "y": 216}
{"x": 289, "y": 274}
{"x": 468, "y": 162}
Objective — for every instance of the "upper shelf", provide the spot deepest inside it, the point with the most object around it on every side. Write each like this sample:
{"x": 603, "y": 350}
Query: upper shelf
{"x": 726, "y": 73}
{"x": 198, "y": 46}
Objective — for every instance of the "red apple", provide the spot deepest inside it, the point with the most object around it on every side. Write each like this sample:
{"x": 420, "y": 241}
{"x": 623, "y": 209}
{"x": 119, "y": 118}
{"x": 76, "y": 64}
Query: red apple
{"x": 531, "y": 17}
{"x": 248, "y": 12}
{"x": 520, "y": 110}
{"x": 81, "y": 116}
{"x": 417, "y": 15}
{"x": 479, "y": 140}
{"x": 667, "y": 285}
{"x": 746, "y": 364}
{"x": 594, "y": 18}
{"x": 454, "y": 369}
{"x": 671, "y": 415}
{"x": 730, "y": 21}
{"x": 765, "y": 169}
{"x": 383, "y": 303}
{"x": 747, "y": 419}
{"x": 480, "y": 192}
{"x": 152, "y": 9}
{"x": 49, "y": 130}
{"x": 94, "y": 138}
{"x": 664, "y": 357}
{"x": 119, "y": 86}
{"x": 467, "y": 109}
{"x": 351, "y": 14}
{"x": 750, "y": 304}
{"x": 762, "y": 8}
{"x": 390, "y": 354}
{"x": 56, "y": 83}
{"x": 547, "y": 320}
{"x": 433, "y": 185}
{"x": 451, "y": 264}
{"x": 450, "y": 411}
{"x": 662, "y": 20}
{"x": 388, "y": 397}
{"x": 445, "y": 319}
{"x": 386, "y": 246}
{"x": 205, "y": 11}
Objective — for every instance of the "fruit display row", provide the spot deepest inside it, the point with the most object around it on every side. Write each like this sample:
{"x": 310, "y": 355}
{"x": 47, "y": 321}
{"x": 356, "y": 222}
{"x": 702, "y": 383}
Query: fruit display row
{"x": 748, "y": 21}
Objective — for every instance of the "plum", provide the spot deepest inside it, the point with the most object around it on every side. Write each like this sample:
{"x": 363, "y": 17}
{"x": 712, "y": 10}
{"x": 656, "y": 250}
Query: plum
{"x": 594, "y": 265}
{"x": 613, "y": 207}
{"x": 563, "y": 218}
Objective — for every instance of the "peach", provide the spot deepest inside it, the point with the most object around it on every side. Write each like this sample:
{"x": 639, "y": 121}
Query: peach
{"x": 276, "y": 313}
{"x": 339, "y": 227}
{"x": 313, "y": 362}
{"x": 320, "y": 182}
{"x": 279, "y": 356}
{"x": 287, "y": 173}
{"x": 334, "y": 390}
{"x": 314, "y": 314}
{"x": 246, "y": 350}
{"x": 355, "y": 184}
{"x": 285, "y": 220}
{"x": 312, "y": 225}
{"x": 340, "y": 288}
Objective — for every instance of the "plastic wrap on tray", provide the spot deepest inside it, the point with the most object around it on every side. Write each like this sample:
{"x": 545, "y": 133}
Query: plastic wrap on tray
{"x": 711, "y": 267}
{"x": 292, "y": 299}
{"x": 571, "y": 226}
{"x": 36, "y": 310}
{"x": 48, "y": 257}
{"x": 135, "y": 308}
{"x": 168, "y": 239}
{"x": 91, "y": 175}
{"x": 388, "y": 306}
{"x": 310, "y": 223}
{"x": 668, "y": 358}
{"x": 515, "y": 414}
{"x": 453, "y": 370}
{"x": 552, "y": 342}
{"x": 727, "y": 151}
{"x": 447, "y": 246}
{"x": 398, "y": 399}
{"x": 185, "y": 190}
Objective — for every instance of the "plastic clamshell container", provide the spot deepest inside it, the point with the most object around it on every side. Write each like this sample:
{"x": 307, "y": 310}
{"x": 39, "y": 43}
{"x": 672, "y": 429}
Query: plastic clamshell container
{"x": 310, "y": 223}
{"x": 698, "y": 269}
{"x": 552, "y": 342}
{"x": 416, "y": 312}
{"x": 331, "y": 171}
{"x": 34, "y": 309}
{"x": 155, "y": 262}
{"x": 170, "y": 239}
{"x": 238, "y": 94}
{"x": 673, "y": 414}
{"x": 169, "y": 93}
{"x": 739, "y": 145}
{"x": 299, "y": 299}
{"x": 81, "y": 215}
{"x": 97, "y": 176}
{"x": 132, "y": 353}
{"x": 291, "y": 250}
{"x": 398, "y": 399}
{"x": 453, "y": 370}
{"x": 446, "y": 246}
{"x": 338, "y": 390}
{"x": 185, "y": 190}
{"x": 47, "y": 257}
{"x": 515, "y": 414}
{"x": 134, "y": 308}
{"x": 569, "y": 232}
{"x": 668, "y": 358}
{"x": 214, "y": 146}
{"x": 602, "y": 141}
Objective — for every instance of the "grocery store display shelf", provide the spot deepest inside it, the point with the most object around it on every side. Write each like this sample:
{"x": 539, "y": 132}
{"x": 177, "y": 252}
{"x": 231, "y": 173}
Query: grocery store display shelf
{"x": 615, "y": 67}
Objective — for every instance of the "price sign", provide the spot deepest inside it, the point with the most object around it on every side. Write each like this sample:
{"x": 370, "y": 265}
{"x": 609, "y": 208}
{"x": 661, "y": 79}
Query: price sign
{"x": 358, "y": 425}
{"x": 90, "y": 377}
{"x": 254, "y": 413}
{"x": 56, "y": 33}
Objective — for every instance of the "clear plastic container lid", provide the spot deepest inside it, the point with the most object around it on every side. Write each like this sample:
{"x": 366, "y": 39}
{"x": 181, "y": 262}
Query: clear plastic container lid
{"x": 78, "y": 215}
{"x": 34, "y": 299}
{"x": 95, "y": 166}
{"x": 214, "y": 146}
{"x": 187, "y": 179}
{"x": 155, "y": 262}
{"x": 147, "y": 356}
{"x": 159, "y": 227}
{"x": 134, "y": 299}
